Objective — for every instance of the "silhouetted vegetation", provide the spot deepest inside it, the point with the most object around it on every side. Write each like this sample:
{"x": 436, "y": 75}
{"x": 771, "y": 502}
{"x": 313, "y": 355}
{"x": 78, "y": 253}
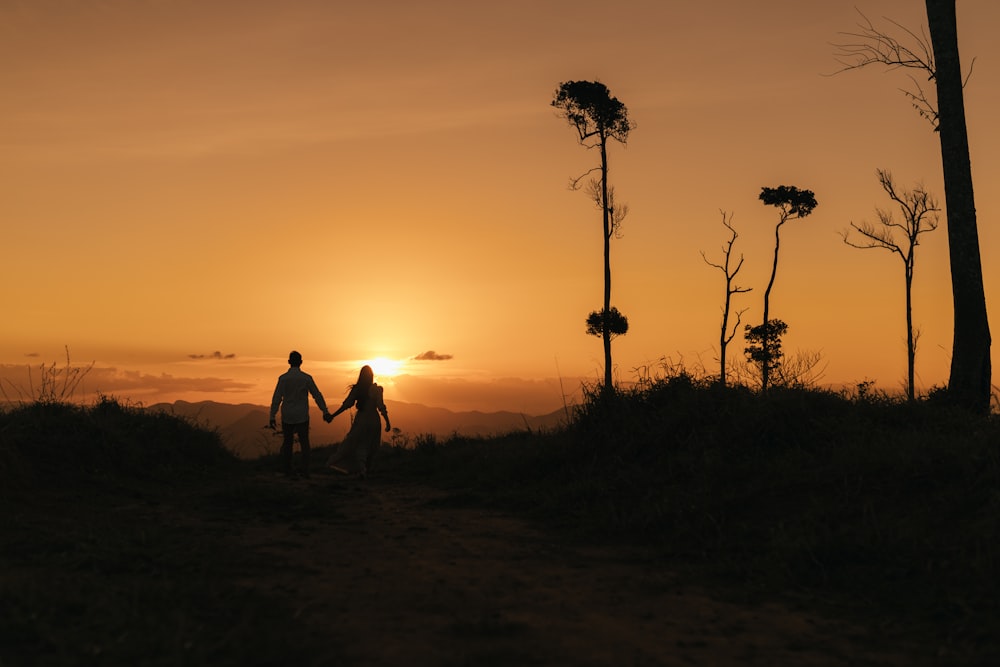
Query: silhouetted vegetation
{"x": 763, "y": 348}
{"x": 96, "y": 571}
{"x": 792, "y": 203}
{"x": 726, "y": 334}
{"x": 49, "y": 443}
{"x": 54, "y": 384}
{"x": 598, "y": 117}
{"x": 611, "y": 324}
{"x": 919, "y": 211}
{"x": 937, "y": 57}
{"x": 859, "y": 505}
{"x": 866, "y": 504}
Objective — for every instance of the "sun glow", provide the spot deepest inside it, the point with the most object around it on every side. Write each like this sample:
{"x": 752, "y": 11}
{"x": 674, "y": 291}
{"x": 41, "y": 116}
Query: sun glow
{"x": 385, "y": 368}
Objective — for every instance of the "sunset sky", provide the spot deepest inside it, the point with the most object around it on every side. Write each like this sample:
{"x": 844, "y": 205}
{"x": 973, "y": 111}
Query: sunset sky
{"x": 191, "y": 189}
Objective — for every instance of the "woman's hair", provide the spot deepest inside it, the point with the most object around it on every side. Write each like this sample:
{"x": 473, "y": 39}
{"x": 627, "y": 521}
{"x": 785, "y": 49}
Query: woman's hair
{"x": 360, "y": 389}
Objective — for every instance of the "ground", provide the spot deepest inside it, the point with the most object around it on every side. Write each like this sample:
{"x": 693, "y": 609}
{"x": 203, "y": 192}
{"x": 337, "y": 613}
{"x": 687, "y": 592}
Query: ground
{"x": 253, "y": 568}
{"x": 394, "y": 576}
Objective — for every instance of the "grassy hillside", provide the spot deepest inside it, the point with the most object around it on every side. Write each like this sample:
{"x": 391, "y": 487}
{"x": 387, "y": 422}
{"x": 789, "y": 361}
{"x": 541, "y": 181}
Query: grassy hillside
{"x": 867, "y": 507}
{"x": 95, "y": 568}
{"x": 884, "y": 510}
{"x": 50, "y": 444}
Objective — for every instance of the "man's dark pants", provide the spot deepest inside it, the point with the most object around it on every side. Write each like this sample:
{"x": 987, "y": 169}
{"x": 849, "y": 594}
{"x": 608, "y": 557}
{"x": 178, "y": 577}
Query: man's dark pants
{"x": 290, "y": 431}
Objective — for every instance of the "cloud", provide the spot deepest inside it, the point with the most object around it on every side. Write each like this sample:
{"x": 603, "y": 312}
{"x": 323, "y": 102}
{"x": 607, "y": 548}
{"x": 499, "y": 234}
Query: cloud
{"x": 112, "y": 380}
{"x": 535, "y": 396}
{"x": 21, "y": 382}
{"x": 431, "y": 355}
{"x": 214, "y": 355}
{"x": 32, "y": 354}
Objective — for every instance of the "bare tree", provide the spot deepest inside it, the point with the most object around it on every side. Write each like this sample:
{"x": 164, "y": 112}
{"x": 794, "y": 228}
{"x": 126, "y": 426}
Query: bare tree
{"x": 969, "y": 382}
{"x": 792, "y": 204}
{"x": 597, "y": 116}
{"x": 876, "y": 47}
{"x": 919, "y": 211}
{"x": 725, "y": 335}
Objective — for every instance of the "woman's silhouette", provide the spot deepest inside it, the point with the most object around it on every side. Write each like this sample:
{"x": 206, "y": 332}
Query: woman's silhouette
{"x": 356, "y": 452}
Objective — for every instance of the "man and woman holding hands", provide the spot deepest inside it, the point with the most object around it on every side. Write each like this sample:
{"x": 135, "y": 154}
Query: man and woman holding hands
{"x": 355, "y": 454}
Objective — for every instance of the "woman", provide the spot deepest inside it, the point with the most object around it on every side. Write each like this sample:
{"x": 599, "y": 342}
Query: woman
{"x": 355, "y": 453}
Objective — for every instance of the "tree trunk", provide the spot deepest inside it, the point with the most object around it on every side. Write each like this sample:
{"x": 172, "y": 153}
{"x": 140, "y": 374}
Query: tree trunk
{"x": 970, "y": 382}
{"x": 911, "y": 351}
{"x": 765, "y": 370}
{"x": 606, "y": 328}
{"x": 723, "y": 343}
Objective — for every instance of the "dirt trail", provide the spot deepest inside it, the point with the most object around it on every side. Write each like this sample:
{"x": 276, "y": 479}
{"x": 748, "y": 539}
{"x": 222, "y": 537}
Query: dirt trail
{"x": 388, "y": 577}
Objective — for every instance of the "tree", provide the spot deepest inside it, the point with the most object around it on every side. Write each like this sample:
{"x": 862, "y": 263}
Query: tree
{"x": 764, "y": 347}
{"x": 598, "y": 117}
{"x": 791, "y": 203}
{"x": 725, "y": 336}
{"x": 919, "y": 210}
{"x": 969, "y": 381}
{"x": 610, "y": 322}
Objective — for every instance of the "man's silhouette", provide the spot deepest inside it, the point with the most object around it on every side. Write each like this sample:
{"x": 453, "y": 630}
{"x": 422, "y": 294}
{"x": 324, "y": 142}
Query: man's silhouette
{"x": 292, "y": 395}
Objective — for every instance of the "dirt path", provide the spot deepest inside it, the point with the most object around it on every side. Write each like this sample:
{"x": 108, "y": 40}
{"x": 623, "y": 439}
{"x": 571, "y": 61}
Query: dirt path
{"x": 388, "y": 577}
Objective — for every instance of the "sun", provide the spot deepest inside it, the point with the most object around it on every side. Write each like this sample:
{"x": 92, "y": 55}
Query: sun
{"x": 384, "y": 367}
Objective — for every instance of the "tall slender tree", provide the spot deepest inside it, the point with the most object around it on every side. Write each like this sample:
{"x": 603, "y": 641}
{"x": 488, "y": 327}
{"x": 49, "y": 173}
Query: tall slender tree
{"x": 919, "y": 211}
{"x": 589, "y": 107}
{"x": 969, "y": 382}
{"x": 792, "y": 204}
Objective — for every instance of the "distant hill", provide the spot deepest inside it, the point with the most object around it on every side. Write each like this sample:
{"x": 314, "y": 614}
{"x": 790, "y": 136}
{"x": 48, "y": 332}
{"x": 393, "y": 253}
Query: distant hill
{"x": 242, "y": 426}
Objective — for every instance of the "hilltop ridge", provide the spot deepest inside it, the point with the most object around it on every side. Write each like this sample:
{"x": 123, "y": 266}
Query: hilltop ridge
{"x": 242, "y": 425}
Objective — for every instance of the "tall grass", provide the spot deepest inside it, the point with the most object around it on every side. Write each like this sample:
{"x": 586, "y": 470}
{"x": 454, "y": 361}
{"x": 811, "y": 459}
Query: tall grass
{"x": 55, "y": 384}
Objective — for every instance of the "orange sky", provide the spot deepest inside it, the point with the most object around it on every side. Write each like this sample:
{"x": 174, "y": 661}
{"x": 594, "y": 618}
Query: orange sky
{"x": 180, "y": 178}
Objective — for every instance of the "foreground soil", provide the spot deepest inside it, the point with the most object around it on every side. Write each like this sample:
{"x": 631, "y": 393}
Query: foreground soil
{"x": 396, "y": 576}
{"x": 334, "y": 571}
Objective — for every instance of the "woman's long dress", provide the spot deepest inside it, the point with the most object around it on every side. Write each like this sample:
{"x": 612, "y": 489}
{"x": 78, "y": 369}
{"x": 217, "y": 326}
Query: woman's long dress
{"x": 355, "y": 454}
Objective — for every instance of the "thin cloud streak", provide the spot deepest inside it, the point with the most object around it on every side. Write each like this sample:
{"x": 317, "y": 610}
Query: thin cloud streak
{"x": 431, "y": 355}
{"x": 214, "y": 355}
{"x": 125, "y": 384}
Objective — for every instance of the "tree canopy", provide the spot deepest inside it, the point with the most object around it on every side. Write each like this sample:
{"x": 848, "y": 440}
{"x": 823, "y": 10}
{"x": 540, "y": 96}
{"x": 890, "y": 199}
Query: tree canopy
{"x": 593, "y": 111}
{"x": 792, "y": 201}
{"x": 610, "y": 321}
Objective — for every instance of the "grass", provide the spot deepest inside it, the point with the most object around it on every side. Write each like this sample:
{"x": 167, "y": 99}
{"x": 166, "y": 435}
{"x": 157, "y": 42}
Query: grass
{"x": 93, "y": 570}
{"x": 878, "y": 510}
{"x": 881, "y": 510}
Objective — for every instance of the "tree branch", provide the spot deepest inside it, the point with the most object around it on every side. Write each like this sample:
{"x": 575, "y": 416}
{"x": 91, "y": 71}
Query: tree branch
{"x": 574, "y": 183}
{"x": 876, "y": 47}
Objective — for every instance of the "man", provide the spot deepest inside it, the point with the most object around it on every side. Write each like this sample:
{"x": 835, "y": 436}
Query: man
{"x": 292, "y": 395}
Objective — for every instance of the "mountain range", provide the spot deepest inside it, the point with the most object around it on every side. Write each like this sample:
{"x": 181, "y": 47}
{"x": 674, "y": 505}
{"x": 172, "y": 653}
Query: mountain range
{"x": 243, "y": 427}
